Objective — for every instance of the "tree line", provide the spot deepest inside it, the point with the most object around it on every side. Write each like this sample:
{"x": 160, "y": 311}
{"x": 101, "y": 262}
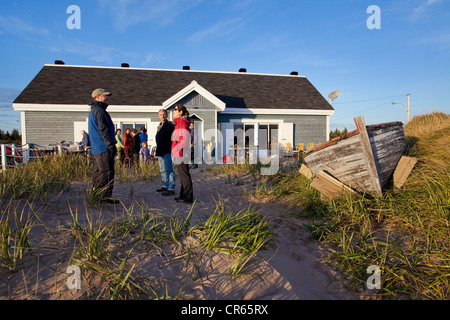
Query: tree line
{"x": 337, "y": 133}
{"x": 8, "y": 138}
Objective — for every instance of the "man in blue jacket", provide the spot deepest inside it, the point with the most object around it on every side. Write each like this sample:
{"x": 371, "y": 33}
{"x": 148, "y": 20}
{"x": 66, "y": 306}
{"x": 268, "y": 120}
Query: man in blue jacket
{"x": 103, "y": 145}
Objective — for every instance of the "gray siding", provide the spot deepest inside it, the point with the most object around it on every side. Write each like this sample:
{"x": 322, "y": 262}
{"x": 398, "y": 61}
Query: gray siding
{"x": 201, "y": 107}
{"x": 46, "y": 127}
{"x": 307, "y": 128}
{"x": 195, "y": 101}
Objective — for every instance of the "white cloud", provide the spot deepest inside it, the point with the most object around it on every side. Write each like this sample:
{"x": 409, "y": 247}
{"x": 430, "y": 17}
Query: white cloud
{"x": 218, "y": 30}
{"x": 131, "y": 12}
{"x": 423, "y": 8}
{"x": 90, "y": 51}
{"x": 21, "y": 28}
{"x": 441, "y": 41}
{"x": 105, "y": 55}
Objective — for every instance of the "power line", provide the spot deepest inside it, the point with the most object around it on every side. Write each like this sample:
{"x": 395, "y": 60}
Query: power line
{"x": 403, "y": 95}
{"x": 10, "y": 123}
{"x": 370, "y": 108}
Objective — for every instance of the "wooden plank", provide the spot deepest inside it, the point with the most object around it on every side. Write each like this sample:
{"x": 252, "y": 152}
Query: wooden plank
{"x": 344, "y": 161}
{"x": 388, "y": 146}
{"x": 403, "y": 170}
{"x": 368, "y": 154}
{"x": 330, "y": 187}
{"x": 305, "y": 171}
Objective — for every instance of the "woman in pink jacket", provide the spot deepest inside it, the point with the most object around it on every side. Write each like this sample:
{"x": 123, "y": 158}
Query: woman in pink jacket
{"x": 181, "y": 147}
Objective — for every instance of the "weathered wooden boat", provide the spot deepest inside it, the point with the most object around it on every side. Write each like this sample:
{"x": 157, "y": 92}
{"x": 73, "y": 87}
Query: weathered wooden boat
{"x": 364, "y": 159}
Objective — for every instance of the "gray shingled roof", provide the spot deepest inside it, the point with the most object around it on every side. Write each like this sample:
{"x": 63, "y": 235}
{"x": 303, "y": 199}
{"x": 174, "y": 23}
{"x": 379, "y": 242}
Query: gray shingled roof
{"x": 62, "y": 84}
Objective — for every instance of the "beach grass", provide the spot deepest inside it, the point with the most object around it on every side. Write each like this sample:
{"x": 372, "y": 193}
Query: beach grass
{"x": 15, "y": 228}
{"x": 38, "y": 178}
{"x": 99, "y": 246}
{"x": 405, "y": 233}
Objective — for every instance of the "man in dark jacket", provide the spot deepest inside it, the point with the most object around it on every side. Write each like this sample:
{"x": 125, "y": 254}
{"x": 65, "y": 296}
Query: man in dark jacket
{"x": 163, "y": 152}
{"x": 103, "y": 145}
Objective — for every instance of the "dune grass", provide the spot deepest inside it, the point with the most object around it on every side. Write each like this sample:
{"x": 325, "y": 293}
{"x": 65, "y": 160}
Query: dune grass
{"x": 406, "y": 232}
{"x": 49, "y": 174}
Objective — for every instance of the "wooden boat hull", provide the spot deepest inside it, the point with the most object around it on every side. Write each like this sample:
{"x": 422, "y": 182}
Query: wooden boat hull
{"x": 364, "y": 159}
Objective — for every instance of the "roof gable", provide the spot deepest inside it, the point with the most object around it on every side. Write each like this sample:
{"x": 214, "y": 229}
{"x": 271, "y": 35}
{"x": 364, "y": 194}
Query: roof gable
{"x": 194, "y": 87}
{"x": 72, "y": 85}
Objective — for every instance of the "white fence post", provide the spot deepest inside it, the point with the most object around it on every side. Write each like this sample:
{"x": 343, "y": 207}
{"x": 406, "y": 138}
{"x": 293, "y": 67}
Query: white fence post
{"x": 3, "y": 149}
{"x": 26, "y": 153}
{"x": 13, "y": 154}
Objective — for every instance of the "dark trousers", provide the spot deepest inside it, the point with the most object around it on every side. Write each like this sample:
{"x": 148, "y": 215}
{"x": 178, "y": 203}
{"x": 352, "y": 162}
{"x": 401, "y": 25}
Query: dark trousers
{"x": 186, "y": 190}
{"x": 103, "y": 173}
{"x": 120, "y": 155}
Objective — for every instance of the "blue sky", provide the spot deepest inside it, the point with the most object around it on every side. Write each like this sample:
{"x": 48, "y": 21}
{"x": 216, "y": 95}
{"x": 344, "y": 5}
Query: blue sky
{"x": 327, "y": 41}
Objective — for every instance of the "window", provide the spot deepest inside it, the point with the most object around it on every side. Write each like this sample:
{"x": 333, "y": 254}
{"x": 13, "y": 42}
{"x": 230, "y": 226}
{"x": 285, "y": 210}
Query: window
{"x": 132, "y": 124}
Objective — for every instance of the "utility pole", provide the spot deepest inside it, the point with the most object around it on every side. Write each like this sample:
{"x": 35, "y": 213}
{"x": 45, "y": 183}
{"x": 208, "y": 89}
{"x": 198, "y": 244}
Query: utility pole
{"x": 409, "y": 106}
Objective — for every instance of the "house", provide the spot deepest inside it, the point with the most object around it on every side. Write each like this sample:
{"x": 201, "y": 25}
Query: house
{"x": 227, "y": 108}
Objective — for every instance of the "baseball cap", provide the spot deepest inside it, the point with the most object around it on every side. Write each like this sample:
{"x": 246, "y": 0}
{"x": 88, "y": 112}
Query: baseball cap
{"x": 98, "y": 92}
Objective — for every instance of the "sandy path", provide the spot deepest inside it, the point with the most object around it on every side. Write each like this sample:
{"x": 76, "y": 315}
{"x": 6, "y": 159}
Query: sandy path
{"x": 291, "y": 271}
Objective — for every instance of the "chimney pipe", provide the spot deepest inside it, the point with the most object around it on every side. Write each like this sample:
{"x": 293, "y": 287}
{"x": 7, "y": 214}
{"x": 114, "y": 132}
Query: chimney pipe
{"x": 294, "y": 73}
{"x": 125, "y": 65}
{"x": 243, "y": 70}
{"x": 59, "y": 62}
{"x": 186, "y": 68}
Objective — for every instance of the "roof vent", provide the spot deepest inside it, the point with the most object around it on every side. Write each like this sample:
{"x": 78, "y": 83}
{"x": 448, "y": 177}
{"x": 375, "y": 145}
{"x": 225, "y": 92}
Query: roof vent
{"x": 125, "y": 65}
{"x": 242, "y": 70}
{"x": 186, "y": 68}
{"x": 294, "y": 73}
{"x": 59, "y": 62}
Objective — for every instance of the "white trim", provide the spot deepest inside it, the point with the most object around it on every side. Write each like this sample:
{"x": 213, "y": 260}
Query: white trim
{"x": 166, "y": 104}
{"x": 23, "y": 127}
{"x": 327, "y": 133}
{"x": 278, "y": 111}
{"x": 259, "y": 121}
{"x": 82, "y": 107}
{"x": 174, "y": 70}
{"x": 194, "y": 86}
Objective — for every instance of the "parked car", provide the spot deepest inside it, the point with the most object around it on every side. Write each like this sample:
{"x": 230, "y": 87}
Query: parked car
{"x": 37, "y": 151}
{"x": 66, "y": 146}
{"x": 17, "y": 154}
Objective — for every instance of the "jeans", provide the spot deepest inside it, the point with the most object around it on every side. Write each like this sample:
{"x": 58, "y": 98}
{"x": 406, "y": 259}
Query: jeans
{"x": 167, "y": 174}
{"x": 103, "y": 173}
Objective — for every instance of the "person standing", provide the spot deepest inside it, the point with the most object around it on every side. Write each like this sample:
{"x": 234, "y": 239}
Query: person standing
{"x": 143, "y": 136}
{"x": 163, "y": 152}
{"x": 85, "y": 142}
{"x": 181, "y": 143}
{"x": 127, "y": 144}
{"x": 103, "y": 145}
{"x": 119, "y": 146}
{"x": 144, "y": 152}
{"x": 135, "y": 146}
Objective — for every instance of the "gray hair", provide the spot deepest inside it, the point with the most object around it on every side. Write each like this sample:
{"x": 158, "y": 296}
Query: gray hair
{"x": 163, "y": 110}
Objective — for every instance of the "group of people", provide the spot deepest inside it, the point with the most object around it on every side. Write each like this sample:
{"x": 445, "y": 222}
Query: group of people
{"x": 132, "y": 145}
{"x": 172, "y": 140}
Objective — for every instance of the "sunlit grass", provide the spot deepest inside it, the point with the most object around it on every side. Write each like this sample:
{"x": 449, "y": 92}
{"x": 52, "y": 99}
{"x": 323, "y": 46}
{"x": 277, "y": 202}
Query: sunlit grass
{"x": 406, "y": 232}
